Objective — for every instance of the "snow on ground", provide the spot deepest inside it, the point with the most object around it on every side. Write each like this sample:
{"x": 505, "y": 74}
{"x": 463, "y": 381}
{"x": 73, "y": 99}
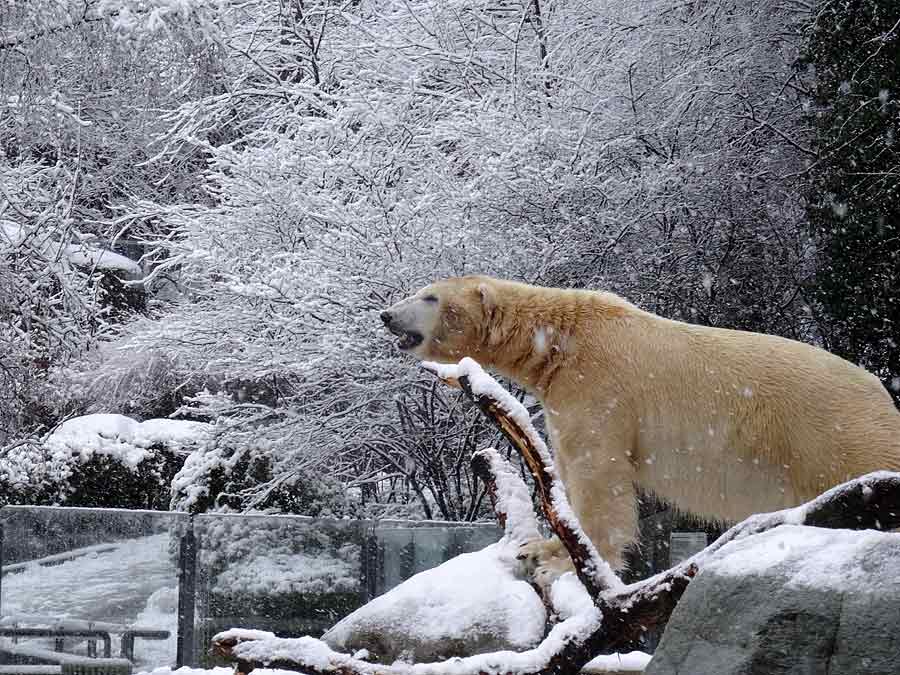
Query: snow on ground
{"x": 612, "y": 663}
{"x": 162, "y": 670}
{"x": 316, "y": 653}
{"x": 111, "y": 586}
{"x": 136, "y": 583}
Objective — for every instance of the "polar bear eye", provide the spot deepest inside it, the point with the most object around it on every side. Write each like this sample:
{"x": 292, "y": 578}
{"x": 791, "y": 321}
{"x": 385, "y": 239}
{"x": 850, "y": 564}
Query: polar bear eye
{"x": 430, "y": 298}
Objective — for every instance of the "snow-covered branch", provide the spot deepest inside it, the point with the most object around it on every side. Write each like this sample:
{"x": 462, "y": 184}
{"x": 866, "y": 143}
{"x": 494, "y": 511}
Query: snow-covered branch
{"x": 514, "y": 421}
{"x": 509, "y": 495}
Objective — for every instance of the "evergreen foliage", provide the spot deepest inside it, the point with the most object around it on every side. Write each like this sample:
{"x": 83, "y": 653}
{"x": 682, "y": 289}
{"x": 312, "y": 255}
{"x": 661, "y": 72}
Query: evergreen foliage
{"x": 854, "y": 207}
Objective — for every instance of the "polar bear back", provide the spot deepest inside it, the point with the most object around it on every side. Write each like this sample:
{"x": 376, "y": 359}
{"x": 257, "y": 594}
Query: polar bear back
{"x": 726, "y": 422}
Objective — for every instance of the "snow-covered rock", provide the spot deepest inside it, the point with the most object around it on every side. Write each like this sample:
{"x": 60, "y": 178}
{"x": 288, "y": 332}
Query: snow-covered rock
{"x": 469, "y": 605}
{"x": 793, "y": 599}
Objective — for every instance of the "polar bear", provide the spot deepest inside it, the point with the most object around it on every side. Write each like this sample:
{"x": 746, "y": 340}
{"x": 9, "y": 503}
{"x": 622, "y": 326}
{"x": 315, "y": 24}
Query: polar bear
{"x": 722, "y": 423}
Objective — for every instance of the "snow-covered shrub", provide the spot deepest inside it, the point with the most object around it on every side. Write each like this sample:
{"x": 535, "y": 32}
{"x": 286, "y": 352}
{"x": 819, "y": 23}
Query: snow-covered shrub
{"x": 222, "y": 477}
{"x": 100, "y": 460}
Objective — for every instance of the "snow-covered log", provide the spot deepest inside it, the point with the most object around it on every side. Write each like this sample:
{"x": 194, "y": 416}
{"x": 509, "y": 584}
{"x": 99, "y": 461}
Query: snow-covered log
{"x": 602, "y": 614}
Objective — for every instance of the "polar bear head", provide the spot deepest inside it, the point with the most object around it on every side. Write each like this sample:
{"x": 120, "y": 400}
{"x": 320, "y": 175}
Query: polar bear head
{"x": 444, "y": 321}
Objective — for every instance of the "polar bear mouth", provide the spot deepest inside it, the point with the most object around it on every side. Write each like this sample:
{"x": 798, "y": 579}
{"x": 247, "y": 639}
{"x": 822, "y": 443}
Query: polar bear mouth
{"x": 409, "y": 339}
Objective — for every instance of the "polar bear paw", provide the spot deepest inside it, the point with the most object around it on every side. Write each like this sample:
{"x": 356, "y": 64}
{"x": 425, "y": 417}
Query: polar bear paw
{"x": 543, "y": 561}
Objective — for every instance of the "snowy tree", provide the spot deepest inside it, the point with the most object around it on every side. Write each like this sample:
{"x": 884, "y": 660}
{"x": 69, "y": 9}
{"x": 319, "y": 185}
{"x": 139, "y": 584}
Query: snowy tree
{"x": 77, "y": 120}
{"x": 83, "y": 83}
{"x": 319, "y": 216}
{"x": 853, "y": 182}
{"x": 59, "y": 290}
{"x": 358, "y": 150}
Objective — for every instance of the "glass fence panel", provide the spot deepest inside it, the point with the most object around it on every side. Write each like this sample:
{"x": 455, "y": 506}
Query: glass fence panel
{"x": 290, "y": 575}
{"x": 92, "y": 582}
{"x": 155, "y": 587}
{"x": 299, "y": 576}
{"x": 404, "y": 549}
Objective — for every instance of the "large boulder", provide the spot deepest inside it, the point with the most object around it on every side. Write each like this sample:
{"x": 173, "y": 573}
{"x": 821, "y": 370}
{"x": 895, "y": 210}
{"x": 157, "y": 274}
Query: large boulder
{"x": 795, "y": 599}
{"x": 471, "y": 604}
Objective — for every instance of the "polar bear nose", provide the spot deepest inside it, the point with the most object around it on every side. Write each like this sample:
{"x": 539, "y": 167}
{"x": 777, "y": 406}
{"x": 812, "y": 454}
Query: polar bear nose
{"x": 386, "y": 317}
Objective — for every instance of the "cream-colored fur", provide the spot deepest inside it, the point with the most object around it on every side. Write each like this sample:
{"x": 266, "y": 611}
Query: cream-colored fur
{"x": 723, "y": 423}
{"x": 543, "y": 561}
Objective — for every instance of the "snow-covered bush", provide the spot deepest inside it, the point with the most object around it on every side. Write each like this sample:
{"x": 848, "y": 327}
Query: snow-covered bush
{"x": 100, "y": 460}
{"x": 220, "y": 477}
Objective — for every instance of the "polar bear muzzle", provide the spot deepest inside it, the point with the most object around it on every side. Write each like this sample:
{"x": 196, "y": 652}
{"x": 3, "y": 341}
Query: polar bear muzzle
{"x": 412, "y": 320}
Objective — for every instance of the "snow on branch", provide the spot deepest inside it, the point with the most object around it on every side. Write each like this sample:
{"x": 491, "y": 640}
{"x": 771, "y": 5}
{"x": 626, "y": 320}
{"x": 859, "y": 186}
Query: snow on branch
{"x": 514, "y": 421}
{"x": 88, "y": 15}
{"x": 508, "y": 494}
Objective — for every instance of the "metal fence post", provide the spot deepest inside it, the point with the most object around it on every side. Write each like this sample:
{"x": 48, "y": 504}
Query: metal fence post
{"x": 369, "y": 564}
{"x": 187, "y": 596}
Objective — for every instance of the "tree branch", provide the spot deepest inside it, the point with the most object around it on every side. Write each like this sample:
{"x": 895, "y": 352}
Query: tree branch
{"x": 514, "y": 422}
{"x": 12, "y": 40}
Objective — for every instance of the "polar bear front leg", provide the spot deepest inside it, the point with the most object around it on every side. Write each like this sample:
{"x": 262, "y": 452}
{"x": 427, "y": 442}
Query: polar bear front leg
{"x": 606, "y": 506}
{"x": 595, "y": 463}
{"x": 610, "y": 524}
